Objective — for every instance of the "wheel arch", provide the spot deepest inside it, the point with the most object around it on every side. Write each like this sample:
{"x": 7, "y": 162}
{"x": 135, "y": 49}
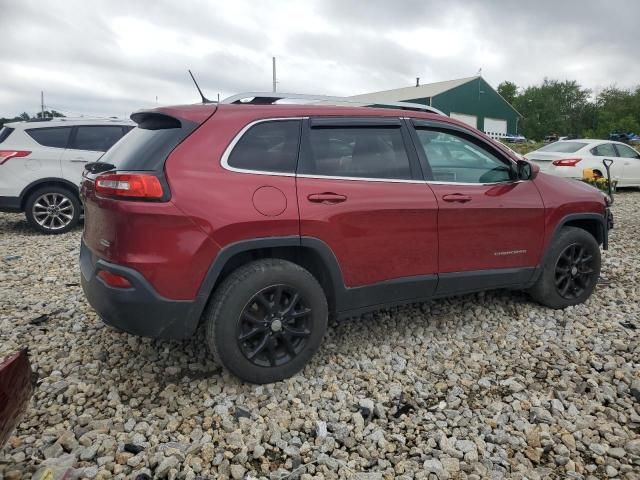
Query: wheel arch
{"x": 51, "y": 181}
{"x": 310, "y": 253}
{"x": 593, "y": 223}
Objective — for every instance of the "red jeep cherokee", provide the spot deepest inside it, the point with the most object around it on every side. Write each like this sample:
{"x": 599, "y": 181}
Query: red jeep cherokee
{"x": 263, "y": 220}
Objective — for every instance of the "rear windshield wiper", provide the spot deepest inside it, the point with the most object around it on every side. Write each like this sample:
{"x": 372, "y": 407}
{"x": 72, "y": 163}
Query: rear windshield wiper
{"x": 99, "y": 167}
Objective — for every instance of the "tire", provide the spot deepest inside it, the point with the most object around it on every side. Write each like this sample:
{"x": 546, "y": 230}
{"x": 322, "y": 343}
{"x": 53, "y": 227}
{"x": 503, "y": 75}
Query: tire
{"x": 558, "y": 271}
{"x": 243, "y": 323}
{"x": 52, "y": 209}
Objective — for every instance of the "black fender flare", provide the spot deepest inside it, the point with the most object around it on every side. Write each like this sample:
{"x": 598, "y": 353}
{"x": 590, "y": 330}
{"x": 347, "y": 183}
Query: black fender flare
{"x": 226, "y": 253}
{"x": 601, "y": 219}
{"x": 563, "y": 221}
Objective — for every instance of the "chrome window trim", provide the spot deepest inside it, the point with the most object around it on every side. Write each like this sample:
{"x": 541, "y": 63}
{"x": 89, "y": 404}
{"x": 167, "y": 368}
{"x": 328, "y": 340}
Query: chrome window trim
{"x": 224, "y": 161}
{"x": 364, "y": 179}
{"x": 436, "y": 182}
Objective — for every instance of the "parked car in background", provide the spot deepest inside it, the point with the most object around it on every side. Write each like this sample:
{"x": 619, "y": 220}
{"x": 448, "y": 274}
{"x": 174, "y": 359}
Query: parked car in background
{"x": 569, "y": 159}
{"x": 517, "y": 138}
{"x": 15, "y": 391}
{"x": 263, "y": 220}
{"x": 626, "y": 137}
{"x": 41, "y": 166}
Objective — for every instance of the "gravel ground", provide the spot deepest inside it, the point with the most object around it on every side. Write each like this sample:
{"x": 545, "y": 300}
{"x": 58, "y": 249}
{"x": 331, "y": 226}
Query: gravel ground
{"x": 481, "y": 386}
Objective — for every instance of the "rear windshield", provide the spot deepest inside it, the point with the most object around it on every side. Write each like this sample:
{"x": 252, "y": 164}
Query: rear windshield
{"x": 563, "y": 147}
{"x": 4, "y": 133}
{"x": 143, "y": 149}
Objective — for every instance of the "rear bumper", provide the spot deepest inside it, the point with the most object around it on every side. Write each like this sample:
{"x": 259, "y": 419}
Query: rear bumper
{"x": 139, "y": 310}
{"x": 10, "y": 204}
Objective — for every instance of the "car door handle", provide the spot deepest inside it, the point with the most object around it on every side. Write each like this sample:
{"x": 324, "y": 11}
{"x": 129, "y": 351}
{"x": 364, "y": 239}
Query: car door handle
{"x": 326, "y": 197}
{"x": 78, "y": 160}
{"x": 456, "y": 197}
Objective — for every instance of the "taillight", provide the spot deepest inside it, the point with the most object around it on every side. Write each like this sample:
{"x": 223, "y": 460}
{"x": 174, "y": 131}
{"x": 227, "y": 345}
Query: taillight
{"x": 7, "y": 154}
{"x": 566, "y": 162}
{"x": 129, "y": 185}
{"x": 114, "y": 280}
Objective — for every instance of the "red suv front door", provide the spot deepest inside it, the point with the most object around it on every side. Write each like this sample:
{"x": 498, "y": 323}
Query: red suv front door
{"x": 360, "y": 191}
{"x": 490, "y": 224}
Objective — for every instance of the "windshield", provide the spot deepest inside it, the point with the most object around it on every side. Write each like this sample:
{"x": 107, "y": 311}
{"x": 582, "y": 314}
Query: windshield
{"x": 563, "y": 147}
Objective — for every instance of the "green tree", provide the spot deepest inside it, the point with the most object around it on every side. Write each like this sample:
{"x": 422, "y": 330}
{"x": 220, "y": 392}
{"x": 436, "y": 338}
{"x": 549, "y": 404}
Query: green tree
{"x": 508, "y": 90}
{"x": 49, "y": 114}
{"x": 617, "y": 110}
{"x": 561, "y": 107}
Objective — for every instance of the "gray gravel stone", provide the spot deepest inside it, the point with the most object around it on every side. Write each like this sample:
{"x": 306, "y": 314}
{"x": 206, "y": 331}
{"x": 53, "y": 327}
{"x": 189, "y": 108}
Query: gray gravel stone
{"x": 488, "y": 385}
{"x": 633, "y": 447}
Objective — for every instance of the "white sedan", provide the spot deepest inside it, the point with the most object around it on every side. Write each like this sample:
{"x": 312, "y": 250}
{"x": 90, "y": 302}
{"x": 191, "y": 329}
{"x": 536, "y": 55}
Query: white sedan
{"x": 569, "y": 158}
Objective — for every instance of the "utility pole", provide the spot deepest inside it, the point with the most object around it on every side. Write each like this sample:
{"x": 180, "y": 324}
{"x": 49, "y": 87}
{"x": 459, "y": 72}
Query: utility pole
{"x": 274, "y": 74}
{"x": 42, "y": 104}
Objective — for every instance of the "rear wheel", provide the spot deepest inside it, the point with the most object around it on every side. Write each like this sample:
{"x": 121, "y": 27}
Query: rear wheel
{"x": 52, "y": 209}
{"x": 570, "y": 271}
{"x": 266, "y": 320}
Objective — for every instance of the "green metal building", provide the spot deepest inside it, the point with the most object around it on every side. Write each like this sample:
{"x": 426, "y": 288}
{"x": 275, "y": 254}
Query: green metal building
{"x": 471, "y": 100}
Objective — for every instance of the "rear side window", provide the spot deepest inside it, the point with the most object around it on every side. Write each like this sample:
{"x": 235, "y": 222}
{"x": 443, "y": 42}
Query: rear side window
{"x": 270, "y": 146}
{"x": 56, "y": 137}
{"x": 4, "y": 133}
{"x": 362, "y": 152}
{"x": 96, "y": 138}
{"x": 563, "y": 147}
{"x": 604, "y": 150}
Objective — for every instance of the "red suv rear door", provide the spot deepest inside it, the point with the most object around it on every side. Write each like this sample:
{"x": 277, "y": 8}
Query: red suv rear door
{"x": 490, "y": 224}
{"x": 361, "y": 191}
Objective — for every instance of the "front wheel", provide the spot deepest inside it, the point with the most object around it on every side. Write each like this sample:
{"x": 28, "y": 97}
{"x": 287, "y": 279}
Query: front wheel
{"x": 570, "y": 271}
{"x": 266, "y": 320}
{"x": 52, "y": 209}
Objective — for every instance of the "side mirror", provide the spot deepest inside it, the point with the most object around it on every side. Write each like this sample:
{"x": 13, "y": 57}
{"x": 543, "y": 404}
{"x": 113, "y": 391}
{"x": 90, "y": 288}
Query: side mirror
{"x": 525, "y": 170}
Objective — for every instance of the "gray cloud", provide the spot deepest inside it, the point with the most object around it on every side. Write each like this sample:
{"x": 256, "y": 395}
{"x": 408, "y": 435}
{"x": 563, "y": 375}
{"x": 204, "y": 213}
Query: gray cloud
{"x": 113, "y": 57}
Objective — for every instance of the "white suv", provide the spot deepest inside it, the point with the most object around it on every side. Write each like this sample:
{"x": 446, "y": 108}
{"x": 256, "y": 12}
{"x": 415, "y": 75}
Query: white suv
{"x": 41, "y": 166}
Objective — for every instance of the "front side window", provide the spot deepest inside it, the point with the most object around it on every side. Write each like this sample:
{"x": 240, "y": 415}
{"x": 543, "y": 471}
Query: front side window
{"x": 56, "y": 137}
{"x": 627, "y": 152}
{"x": 453, "y": 158}
{"x": 360, "y": 152}
{"x": 96, "y": 138}
{"x": 270, "y": 146}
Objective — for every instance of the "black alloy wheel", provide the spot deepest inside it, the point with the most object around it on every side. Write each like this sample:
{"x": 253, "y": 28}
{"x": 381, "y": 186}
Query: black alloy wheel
{"x": 274, "y": 326}
{"x": 570, "y": 269}
{"x": 266, "y": 320}
{"x": 574, "y": 271}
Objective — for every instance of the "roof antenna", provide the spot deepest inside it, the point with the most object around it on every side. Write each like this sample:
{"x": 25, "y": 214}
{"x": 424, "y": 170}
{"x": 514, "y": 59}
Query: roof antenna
{"x": 204, "y": 99}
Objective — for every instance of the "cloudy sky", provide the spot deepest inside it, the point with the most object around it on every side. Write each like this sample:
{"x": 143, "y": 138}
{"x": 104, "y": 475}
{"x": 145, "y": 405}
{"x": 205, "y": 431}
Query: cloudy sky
{"x": 112, "y": 57}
